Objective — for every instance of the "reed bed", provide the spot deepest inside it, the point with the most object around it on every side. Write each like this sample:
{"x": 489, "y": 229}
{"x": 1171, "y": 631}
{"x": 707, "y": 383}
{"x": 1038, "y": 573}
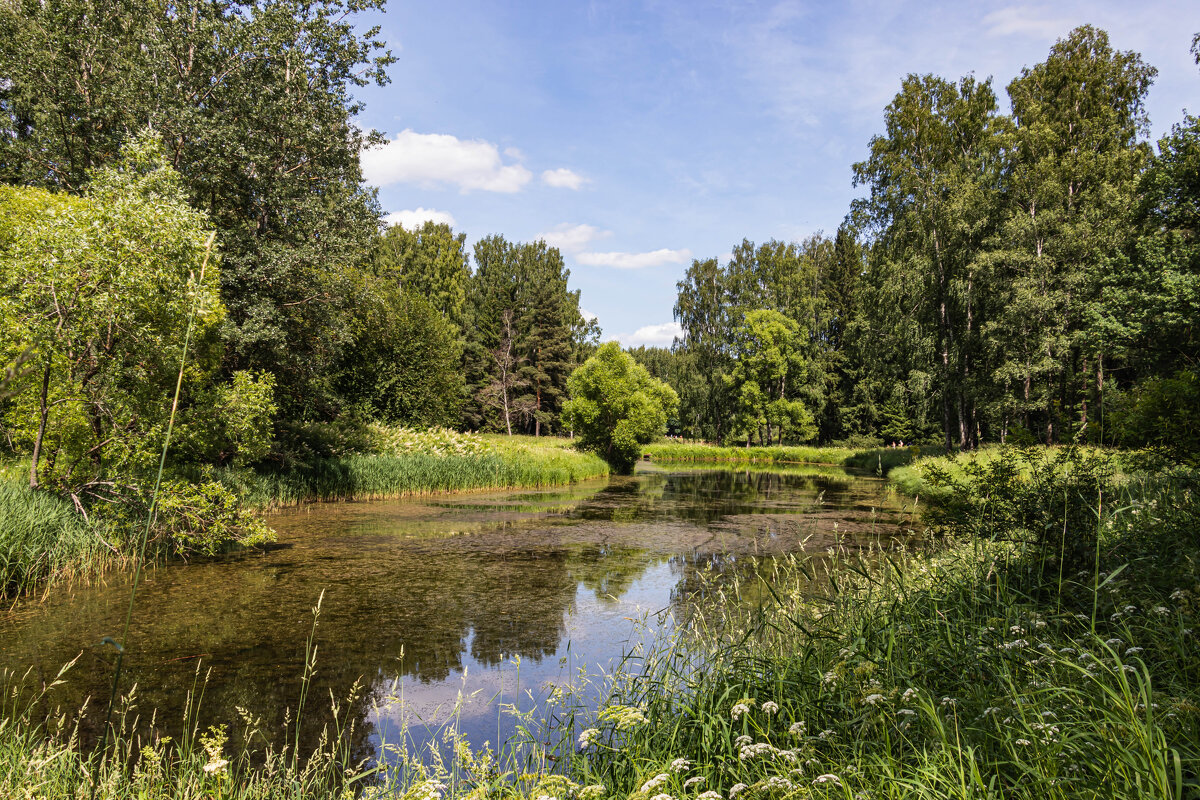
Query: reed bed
{"x": 687, "y": 451}
{"x": 375, "y": 477}
{"x": 43, "y": 538}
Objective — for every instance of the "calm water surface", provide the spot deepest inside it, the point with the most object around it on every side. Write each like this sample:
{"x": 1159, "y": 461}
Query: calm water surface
{"x": 474, "y": 599}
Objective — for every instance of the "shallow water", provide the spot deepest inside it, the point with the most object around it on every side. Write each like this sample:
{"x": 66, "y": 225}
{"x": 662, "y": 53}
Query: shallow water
{"x": 456, "y": 603}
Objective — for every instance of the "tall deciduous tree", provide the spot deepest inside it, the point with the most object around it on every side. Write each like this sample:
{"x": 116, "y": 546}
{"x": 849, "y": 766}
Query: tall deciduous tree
{"x": 252, "y": 101}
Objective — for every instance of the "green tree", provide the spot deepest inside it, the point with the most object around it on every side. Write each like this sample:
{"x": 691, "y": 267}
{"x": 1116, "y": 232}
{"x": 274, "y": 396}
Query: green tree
{"x": 404, "y": 362}
{"x": 101, "y": 286}
{"x": 768, "y": 371}
{"x": 615, "y": 406}
{"x": 252, "y": 102}
{"x": 430, "y": 261}
{"x": 932, "y": 178}
{"x": 1075, "y": 154}
{"x": 526, "y": 334}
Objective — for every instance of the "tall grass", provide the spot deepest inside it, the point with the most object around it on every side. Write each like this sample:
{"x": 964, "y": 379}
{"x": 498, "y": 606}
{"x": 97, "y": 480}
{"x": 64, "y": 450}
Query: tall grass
{"x": 42, "y": 537}
{"x": 686, "y": 451}
{"x": 968, "y": 674}
{"x": 373, "y": 477}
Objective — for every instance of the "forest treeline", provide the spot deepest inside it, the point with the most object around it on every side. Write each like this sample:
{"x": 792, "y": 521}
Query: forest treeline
{"x": 1023, "y": 276}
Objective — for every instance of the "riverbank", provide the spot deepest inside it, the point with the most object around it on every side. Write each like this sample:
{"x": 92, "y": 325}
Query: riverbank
{"x": 45, "y": 541}
{"x": 994, "y": 667}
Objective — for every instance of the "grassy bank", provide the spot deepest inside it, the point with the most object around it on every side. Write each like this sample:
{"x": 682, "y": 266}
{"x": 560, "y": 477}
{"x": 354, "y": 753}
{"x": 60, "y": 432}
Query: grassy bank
{"x": 43, "y": 537}
{"x": 976, "y": 672}
{"x": 692, "y": 452}
{"x": 409, "y": 463}
{"x": 992, "y": 668}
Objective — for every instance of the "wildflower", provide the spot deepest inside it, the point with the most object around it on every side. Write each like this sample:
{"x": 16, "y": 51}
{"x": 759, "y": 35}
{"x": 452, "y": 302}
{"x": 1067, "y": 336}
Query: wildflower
{"x": 737, "y": 789}
{"x": 1114, "y": 642}
{"x": 775, "y": 782}
{"x": 908, "y": 712}
{"x": 655, "y": 782}
{"x": 1162, "y": 611}
{"x": 873, "y": 699}
{"x": 1024, "y": 742}
{"x": 662, "y": 797}
{"x": 745, "y": 739}
{"x": 593, "y": 792}
{"x": 751, "y": 751}
{"x": 830, "y": 679}
{"x": 797, "y": 729}
{"x": 738, "y": 709}
{"x": 826, "y": 735}
{"x": 770, "y": 707}
{"x": 585, "y": 738}
{"x": 216, "y": 766}
{"x": 1179, "y": 594}
{"x": 710, "y": 795}
{"x": 829, "y": 778}
{"x": 680, "y": 765}
{"x": 1132, "y": 651}
{"x": 948, "y": 701}
{"x": 909, "y": 694}
{"x": 696, "y": 781}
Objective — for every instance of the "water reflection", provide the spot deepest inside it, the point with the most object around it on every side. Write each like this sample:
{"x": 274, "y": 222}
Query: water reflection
{"x": 436, "y": 597}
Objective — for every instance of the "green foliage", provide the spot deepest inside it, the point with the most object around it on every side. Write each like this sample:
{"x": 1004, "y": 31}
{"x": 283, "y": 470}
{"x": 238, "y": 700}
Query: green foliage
{"x": 1161, "y": 413}
{"x": 253, "y": 105}
{"x": 768, "y": 368}
{"x": 404, "y": 364}
{"x": 429, "y": 262}
{"x": 694, "y": 452}
{"x": 526, "y": 334}
{"x": 615, "y": 406}
{"x": 102, "y": 286}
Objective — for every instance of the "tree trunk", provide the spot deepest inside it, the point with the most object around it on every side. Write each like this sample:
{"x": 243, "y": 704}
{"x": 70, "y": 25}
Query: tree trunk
{"x": 44, "y": 412}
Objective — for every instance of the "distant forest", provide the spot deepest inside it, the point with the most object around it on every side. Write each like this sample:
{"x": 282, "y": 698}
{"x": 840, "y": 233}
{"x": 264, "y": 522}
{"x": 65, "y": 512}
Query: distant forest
{"x": 1029, "y": 276}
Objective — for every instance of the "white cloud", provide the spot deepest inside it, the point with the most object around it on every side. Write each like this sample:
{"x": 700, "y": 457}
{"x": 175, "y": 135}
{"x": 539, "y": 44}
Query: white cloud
{"x": 432, "y": 159}
{"x": 413, "y": 218}
{"x": 562, "y": 178}
{"x": 1026, "y": 21}
{"x": 662, "y": 335}
{"x": 654, "y": 258}
{"x": 572, "y": 238}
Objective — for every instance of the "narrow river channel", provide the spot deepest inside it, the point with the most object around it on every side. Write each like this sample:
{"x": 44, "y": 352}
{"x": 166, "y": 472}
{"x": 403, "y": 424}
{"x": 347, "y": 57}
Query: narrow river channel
{"x": 454, "y": 604}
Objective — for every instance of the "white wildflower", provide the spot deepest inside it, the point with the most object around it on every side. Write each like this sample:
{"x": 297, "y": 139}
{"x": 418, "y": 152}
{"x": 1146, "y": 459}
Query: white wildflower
{"x": 680, "y": 765}
{"x": 830, "y": 778}
{"x": 770, "y": 707}
{"x": 797, "y": 729}
{"x": 737, "y": 789}
{"x": 738, "y": 709}
{"x": 873, "y": 699}
{"x": 586, "y": 738}
{"x": 655, "y": 782}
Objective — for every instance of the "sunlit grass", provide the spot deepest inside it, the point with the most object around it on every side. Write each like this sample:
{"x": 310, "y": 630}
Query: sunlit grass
{"x": 688, "y": 451}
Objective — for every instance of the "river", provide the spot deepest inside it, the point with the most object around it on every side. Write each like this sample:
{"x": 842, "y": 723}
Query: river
{"x": 438, "y": 608}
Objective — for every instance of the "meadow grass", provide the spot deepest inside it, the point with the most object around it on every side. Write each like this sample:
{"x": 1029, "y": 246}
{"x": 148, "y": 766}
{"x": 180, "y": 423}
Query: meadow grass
{"x": 691, "y": 451}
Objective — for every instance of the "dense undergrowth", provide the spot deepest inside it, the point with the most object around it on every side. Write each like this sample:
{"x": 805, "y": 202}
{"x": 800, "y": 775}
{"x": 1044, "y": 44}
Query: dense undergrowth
{"x": 1047, "y": 648}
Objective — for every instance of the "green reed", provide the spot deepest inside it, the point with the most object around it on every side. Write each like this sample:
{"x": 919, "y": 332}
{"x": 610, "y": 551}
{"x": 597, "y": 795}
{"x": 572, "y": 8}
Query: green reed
{"x": 689, "y": 451}
{"x": 43, "y": 537}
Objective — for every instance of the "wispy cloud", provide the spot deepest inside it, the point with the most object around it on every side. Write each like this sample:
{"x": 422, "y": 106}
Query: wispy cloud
{"x": 654, "y": 258}
{"x": 662, "y": 335}
{"x": 572, "y": 238}
{"x": 414, "y": 218}
{"x": 435, "y": 159}
{"x": 562, "y": 178}
{"x": 1026, "y": 21}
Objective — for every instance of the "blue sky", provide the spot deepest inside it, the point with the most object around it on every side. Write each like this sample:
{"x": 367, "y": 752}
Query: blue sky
{"x": 639, "y": 135}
